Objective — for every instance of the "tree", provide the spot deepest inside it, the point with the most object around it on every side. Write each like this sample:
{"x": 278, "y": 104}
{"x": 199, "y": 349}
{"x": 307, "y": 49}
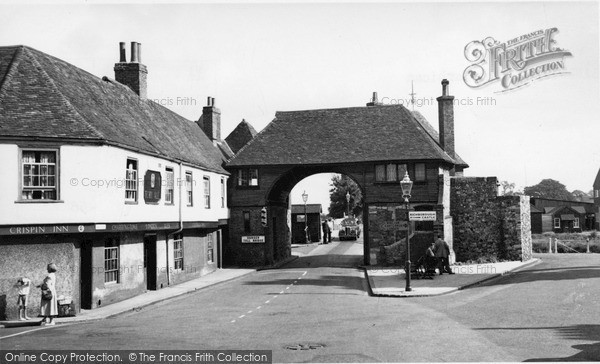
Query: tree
{"x": 549, "y": 188}
{"x": 338, "y": 206}
{"x": 508, "y": 189}
{"x": 579, "y": 195}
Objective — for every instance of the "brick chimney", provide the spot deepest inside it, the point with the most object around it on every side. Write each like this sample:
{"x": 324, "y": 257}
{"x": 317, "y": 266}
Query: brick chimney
{"x": 132, "y": 74}
{"x": 446, "y": 120}
{"x": 210, "y": 121}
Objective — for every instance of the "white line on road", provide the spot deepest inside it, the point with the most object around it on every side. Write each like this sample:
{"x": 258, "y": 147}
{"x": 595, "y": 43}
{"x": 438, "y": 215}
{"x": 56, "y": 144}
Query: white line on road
{"x": 267, "y": 301}
{"x": 288, "y": 287}
{"x": 249, "y": 311}
{"x": 232, "y": 321}
{"x": 281, "y": 292}
{"x": 242, "y": 316}
{"x": 259, "y": 307}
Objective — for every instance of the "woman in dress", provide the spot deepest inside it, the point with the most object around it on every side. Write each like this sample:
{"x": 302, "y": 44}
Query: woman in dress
{"x": 49, "y": 308}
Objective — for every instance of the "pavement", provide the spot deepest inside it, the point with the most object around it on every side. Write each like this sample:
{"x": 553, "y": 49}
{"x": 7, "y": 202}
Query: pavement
{"x": 151, "y": 297}
{"x": 391, "y": 281}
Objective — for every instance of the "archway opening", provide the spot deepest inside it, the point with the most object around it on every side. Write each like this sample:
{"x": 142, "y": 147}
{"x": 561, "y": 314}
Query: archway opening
{"x": 317, "y": 200}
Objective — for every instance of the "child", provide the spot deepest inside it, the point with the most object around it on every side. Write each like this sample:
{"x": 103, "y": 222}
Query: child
{"x": 24, "y": 284}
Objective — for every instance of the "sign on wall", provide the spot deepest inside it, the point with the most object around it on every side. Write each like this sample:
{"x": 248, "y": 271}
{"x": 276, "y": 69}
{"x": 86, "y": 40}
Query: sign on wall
{"x": 422, "y": 215}
{"x": 253, "y": 239}
{"x": 152, "y": 186}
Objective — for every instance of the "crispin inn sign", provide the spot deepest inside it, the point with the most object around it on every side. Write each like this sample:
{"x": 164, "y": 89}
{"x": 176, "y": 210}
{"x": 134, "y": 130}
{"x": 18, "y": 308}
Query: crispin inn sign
{"x": 516, "y": 62}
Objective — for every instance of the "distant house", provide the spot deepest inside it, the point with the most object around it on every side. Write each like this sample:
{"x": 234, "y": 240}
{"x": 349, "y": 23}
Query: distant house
{"x": 312, "y": 217}
{"x": 561, "y": 215}
{"x": 536, "y": 220}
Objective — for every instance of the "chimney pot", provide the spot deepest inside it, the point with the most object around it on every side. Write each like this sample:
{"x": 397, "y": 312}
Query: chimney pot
{"x": 445, "y": 88}
{"x": 208, "y": 99}
{"x": 139, "y": 49}
{"x": 374, "y": 97}
{"x": 212, "y": 101}
{"x": 122, "y": 52}
{"x": 134, "y": 53}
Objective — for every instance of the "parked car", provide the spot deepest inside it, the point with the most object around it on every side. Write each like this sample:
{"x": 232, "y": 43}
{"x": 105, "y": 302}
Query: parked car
{"x": 349, "y": 229}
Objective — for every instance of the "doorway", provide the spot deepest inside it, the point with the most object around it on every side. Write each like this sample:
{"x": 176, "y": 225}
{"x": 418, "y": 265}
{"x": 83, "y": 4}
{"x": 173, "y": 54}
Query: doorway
{"x": 85, "y": 277}
{"x": 150, "y": 261}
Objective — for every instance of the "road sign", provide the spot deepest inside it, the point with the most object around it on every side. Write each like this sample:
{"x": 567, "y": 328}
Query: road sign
{"x": 253, "y": 239}
{"x": 421, "y": 215}
{"x": 394, "y": 225}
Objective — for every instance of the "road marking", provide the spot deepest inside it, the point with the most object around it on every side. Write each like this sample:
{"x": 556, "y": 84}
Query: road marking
{"x": 274, "y": 297}
{"x": 232, "y": 321}
{"x": 242, "y": 316}
{"x": 25, "y": 332}
{"x": 249, "y": 311}
{"x": 288, "y": 287}
{"x": 304, "y": 273}
{"x": 281, "y": 292}
{"x": 259, "y": 307}
{"x": 267, "y": 301}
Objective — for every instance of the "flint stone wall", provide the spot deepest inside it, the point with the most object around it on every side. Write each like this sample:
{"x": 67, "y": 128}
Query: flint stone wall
{"x": 488, "y": 228}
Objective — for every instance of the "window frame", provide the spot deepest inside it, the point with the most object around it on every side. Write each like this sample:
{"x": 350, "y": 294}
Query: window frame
{"x": 557, "y": 223}
{"x": 415, "y": 176}
{"x": 206, "y": 195}
{"x": 189, "y": 188}
{"x": 576, "y": 223}
{"x": 56, "y": 164}
{"x": 223, "y": 192}
{"x": 210, "y": 257}
{"x": 398, "y": 172}
{"x": 244, "y": 178}
{"x": 247, "y": 221}
{"x": 178, "y": 252}
{"x": 135, "y": 180}
{"x": 110, "y": 245}
{"x": 169, "y": 182}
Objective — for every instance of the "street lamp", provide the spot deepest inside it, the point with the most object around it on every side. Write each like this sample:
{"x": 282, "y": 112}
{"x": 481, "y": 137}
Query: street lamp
{"x": 305, "y": 198}
{"x": 348, "y": 204}
{"x": 406, "y": 185}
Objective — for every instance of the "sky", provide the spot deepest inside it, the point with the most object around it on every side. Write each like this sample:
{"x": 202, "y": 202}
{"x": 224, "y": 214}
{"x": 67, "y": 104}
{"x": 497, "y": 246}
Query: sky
{"x": 259, "y": 58}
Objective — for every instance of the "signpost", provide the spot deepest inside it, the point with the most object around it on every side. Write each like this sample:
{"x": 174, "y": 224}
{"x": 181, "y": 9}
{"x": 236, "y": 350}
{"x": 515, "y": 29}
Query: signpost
{"x": 422, "y": 215}
{"x": 253, "y": 239}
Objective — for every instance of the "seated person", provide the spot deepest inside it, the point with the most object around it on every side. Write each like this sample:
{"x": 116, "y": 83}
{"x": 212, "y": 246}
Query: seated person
{"x": 430, "y": 260}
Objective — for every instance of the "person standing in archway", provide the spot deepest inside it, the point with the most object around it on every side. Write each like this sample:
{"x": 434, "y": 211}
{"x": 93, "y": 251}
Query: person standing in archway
{"x": 442, "y": 251}
{"x": 326, "y": 232}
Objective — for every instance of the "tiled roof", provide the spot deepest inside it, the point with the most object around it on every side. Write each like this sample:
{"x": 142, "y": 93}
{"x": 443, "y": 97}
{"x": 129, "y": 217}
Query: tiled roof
{"x": 240, "y": 136}
{"x": 534, "y": 209}
{"x": 434, "y": 134}
{"x": 346, "y": 135}
{"x": 310, "y": 209}
{"x": 44, "y": 97}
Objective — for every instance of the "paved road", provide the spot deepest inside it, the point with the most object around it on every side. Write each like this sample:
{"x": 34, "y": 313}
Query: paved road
{"x": 548, "y": 312}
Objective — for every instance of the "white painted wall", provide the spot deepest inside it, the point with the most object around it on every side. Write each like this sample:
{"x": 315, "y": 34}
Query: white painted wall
{"x": 92, "y": 190}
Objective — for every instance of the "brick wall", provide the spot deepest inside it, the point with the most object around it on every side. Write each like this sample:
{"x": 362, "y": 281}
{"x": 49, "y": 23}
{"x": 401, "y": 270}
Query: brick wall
{"x": 488, "y": 227}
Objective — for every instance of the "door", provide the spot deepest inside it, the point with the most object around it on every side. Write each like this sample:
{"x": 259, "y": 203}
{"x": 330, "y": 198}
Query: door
{"x": 150, "y": 261}
{"x": 85, "y": 276}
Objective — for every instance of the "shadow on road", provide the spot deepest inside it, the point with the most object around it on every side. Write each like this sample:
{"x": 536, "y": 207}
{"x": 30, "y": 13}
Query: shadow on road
{"x": 551, "y": 274}
{"x": 341, "y": 281}
{"x": 326, "y": 261}
{"x": 588, "y": 352}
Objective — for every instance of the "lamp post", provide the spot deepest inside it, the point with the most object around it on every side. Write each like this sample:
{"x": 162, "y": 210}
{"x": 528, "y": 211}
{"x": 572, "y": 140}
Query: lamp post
{"x": 305, "y": 198}
{"x": 348, "y": 200}
{"x": 406, "y": 185}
